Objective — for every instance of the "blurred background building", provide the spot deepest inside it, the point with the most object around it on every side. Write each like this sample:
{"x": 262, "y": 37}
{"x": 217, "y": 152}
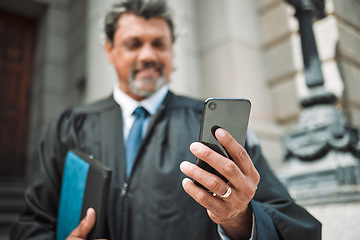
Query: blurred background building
{"x": 52, "y": 58}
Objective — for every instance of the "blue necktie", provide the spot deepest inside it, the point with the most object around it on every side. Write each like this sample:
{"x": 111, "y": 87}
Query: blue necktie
{"x": 134, "y": 138}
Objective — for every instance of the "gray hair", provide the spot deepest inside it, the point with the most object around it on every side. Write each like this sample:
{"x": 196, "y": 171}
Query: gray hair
{"x": 143, "y": 8}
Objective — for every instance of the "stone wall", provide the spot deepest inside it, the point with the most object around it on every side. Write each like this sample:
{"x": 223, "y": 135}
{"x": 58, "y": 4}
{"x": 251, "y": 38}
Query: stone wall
{"x": 231, "y": 59}
{"x": 59, "y": 68}
{"x": 338, "y": 44}
{"x": 347, "y": 18}
{"x": 282, "y": 58}
{"x": 100, "y": 75}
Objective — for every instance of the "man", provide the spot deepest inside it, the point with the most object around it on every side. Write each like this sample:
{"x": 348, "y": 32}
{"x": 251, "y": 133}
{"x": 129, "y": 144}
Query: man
{"x": 147, "y": 198}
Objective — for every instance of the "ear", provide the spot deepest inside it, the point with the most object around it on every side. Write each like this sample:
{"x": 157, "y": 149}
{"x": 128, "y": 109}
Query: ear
{"x": 108, "y": 47}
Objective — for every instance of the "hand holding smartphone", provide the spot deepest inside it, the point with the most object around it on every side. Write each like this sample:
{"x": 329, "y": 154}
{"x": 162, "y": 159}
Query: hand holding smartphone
{"x": 229, "y": 114}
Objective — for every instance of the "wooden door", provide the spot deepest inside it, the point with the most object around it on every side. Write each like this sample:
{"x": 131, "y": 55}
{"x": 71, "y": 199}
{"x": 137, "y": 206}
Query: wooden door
{"x": 16, "y": 50}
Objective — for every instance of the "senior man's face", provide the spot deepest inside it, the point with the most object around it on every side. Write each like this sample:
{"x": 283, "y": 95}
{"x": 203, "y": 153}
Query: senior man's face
{"x": 142, "y": 54}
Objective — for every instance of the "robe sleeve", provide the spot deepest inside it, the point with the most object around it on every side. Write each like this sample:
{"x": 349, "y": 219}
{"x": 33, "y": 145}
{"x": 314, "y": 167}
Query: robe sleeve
{"x": 277, "y": 216}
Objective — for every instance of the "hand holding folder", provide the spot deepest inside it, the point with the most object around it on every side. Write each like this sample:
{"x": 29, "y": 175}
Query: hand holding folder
{"x": 85, "y": 226}
{"x": 86, "y": 183}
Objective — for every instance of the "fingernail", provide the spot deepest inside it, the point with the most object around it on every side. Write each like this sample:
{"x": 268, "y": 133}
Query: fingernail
{"x": 220, "y": 132}
{"x": 185, "y": 181}
{"x": 184, "y": 165}
{"x": 87, "y": 213}
{"x": 194, "y": 147}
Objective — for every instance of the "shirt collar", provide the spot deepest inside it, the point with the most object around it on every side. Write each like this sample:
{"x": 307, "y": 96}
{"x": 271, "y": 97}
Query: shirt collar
{"x": 151, "y": 103}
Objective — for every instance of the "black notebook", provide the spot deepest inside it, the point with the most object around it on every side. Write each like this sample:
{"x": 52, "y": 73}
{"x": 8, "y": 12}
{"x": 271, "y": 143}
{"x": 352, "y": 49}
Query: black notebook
{"x": 85, "y": 183}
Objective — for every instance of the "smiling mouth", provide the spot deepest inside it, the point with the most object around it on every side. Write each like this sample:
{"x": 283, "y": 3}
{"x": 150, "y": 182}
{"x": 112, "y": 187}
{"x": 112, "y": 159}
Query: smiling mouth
{"x": 147, "y": 72}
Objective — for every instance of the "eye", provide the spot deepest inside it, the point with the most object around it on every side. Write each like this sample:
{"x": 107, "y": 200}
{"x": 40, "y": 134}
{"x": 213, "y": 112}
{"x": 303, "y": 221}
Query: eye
{"x": 160, "y": 44}
{"x": 133, "y": 44}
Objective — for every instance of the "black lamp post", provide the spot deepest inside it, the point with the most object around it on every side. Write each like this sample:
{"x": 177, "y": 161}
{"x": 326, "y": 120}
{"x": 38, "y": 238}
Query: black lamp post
{"x": 306, "y": 11}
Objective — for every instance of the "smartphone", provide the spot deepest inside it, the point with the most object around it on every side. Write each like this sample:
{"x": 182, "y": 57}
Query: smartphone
{"x": 231, "y": 114}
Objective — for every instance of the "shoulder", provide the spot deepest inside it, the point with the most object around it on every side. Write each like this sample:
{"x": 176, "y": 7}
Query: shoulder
{"x": 75, "y": 118}
{"x": 96, "y": 107}
{"x": 174, "y": 101}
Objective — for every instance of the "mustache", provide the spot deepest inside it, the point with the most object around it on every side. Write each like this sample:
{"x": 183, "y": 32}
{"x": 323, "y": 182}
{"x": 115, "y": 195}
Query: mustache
{"x": 148, "y": 64}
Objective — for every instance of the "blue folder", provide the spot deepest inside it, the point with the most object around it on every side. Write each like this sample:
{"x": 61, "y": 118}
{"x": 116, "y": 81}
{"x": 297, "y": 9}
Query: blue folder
{"x": 85, "y": 183}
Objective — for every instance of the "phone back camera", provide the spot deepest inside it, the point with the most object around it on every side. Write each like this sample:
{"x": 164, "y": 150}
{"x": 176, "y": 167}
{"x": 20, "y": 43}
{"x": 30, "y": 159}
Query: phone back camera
{"x": 212, "y": 106}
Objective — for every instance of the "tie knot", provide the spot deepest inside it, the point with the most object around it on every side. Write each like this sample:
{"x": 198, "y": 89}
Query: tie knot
{"x": 140, "y": 112}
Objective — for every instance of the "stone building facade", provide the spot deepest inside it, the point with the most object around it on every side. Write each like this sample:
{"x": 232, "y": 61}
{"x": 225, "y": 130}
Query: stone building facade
{"x": 226, "y": 48}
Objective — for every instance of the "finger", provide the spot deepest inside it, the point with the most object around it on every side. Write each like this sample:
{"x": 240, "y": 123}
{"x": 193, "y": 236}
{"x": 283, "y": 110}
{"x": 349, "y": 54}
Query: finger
{"x": 223, "y": 165}
{"x": 203, "y": 197}
{"x": 248, "y": 184}
{"x": 236, "y": 151}
{"x": 221, "y": 210}
{"x": 85, "y": 226}
{"x": 208, "y": 180}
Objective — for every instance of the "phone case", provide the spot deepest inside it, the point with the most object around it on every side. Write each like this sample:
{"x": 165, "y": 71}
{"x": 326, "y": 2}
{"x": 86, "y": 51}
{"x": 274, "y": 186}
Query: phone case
{"x": 230, "y": 114}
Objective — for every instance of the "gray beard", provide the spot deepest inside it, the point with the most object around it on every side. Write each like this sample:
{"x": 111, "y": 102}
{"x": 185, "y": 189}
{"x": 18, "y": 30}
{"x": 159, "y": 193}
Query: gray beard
{"x": 136, "y": 87}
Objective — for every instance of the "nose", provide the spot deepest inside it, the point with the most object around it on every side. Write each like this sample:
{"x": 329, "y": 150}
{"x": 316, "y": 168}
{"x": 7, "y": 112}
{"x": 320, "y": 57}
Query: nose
{"x": 147, "y": 54}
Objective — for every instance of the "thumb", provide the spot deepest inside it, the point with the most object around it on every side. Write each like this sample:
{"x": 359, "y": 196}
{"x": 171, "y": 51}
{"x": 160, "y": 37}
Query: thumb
{"x": 85, "y": 226}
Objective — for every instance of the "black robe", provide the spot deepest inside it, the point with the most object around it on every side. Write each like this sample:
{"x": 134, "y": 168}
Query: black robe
{"x": 154, "y": 205}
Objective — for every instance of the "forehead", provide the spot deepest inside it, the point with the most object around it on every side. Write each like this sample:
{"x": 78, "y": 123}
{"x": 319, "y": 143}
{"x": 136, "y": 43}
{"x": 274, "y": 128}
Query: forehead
{"x": 131, "y": 25}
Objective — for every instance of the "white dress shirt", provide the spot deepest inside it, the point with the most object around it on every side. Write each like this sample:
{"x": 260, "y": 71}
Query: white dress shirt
{"x": 128, "y": 105}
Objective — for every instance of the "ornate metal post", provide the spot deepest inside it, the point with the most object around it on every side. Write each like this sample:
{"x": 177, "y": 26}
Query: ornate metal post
{"x": 323, "y": 154}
